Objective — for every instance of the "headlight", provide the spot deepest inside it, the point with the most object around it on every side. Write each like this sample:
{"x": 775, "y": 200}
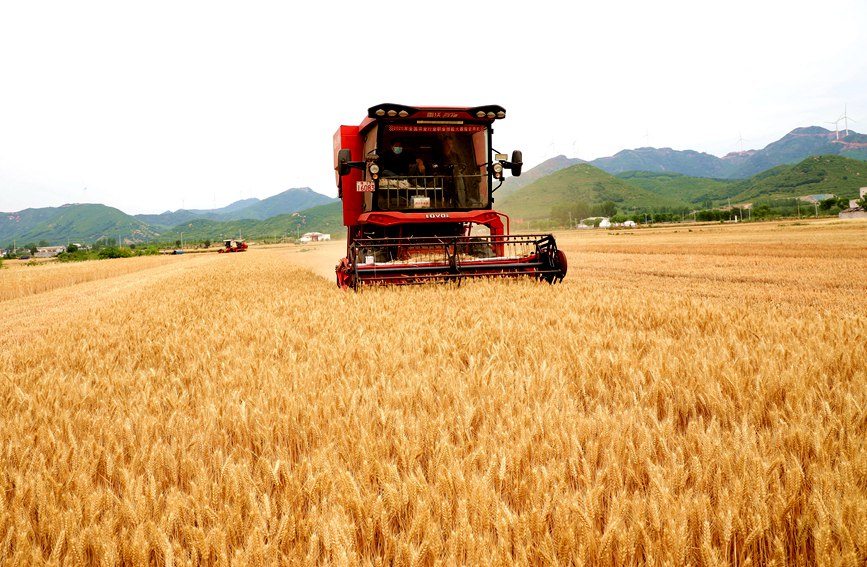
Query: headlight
{"x": 497, "y": 169}
{"x": 374, "y": 169}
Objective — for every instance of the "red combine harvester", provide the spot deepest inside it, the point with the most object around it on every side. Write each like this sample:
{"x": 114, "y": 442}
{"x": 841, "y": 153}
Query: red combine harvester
{"x": 417, "y": 187}
{"x": 233, "y": 246}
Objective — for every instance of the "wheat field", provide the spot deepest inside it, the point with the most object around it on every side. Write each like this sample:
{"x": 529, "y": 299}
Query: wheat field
{"x": 687, "y": 396}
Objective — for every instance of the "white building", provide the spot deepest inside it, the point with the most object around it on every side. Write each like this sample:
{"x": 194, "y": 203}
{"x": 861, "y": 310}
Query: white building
{"x": 49, "y": 251}
{"x": 854, "y": 211}
{"x": 314, "y": 237}
{"x": 853, "y": 203}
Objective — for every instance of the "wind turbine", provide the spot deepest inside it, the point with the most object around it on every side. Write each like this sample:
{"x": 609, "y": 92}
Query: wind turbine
{"x": 846, "y": 119}
{"x": 741, "y": 142}
{"x": 836, "y": 128}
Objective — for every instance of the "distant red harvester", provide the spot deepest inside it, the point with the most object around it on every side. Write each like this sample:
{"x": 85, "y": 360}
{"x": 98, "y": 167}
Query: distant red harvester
{"x": 425, "y": 212}
{"x": 233, "y": 246}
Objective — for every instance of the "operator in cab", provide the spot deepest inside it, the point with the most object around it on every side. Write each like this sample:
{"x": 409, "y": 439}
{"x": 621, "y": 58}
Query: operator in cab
{"x": 397, "y": 161}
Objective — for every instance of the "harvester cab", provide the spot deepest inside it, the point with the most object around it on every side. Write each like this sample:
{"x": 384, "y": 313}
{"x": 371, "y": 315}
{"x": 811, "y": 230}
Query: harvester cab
{"x": 417, "y": 187}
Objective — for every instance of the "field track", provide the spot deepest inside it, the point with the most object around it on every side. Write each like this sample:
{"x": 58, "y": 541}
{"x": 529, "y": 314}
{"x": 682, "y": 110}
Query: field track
{"x": 689, "y": 395}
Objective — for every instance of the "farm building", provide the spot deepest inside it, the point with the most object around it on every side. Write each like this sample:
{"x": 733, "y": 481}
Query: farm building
{"x": 853, "y": 213}
{"x": 853, "y": 203}
{"x": 314, "y": 237}
{"x": 49, "y": 251}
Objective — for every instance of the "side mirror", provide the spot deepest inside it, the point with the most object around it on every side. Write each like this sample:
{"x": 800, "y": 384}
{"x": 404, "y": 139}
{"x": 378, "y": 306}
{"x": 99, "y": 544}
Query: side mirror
{"x": 517, "y": 163}
{"x": 344, "y": 166}
{"x": 343, "y": 157}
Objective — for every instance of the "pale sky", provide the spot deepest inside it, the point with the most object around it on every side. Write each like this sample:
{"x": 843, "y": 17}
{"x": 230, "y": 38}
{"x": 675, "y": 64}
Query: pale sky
{"x": 161, "y": 105}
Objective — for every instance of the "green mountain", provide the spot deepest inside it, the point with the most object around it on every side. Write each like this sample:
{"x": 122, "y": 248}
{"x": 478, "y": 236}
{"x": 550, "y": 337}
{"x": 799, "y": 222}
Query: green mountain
{"x": 581, "y": 185}
{"x": 693, "y": 190}
{"x": 547, "y": 167}
{"x": 687, "y": 162}
{"x": 169, "y": 219}
{"x": 581, "y": 188}
{"x": 816, "y": 175}
{"x": 792, "y": 148}
{"x": 289, "y": 201}
{"x": 323, "y": 218}
{"x": 283, "y": 214}
{"x": 72, "y": 223}
{"x": 797, "y": 145}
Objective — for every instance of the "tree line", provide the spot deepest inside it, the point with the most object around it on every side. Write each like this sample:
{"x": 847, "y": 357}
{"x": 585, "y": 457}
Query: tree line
{"x": 570, "y": 214}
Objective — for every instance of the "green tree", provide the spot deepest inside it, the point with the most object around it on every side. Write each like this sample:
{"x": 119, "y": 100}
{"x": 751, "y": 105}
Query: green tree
{"x": 114, "y": 252}
{"x": 575, "y": 211}
{"x": 605, "y": 209}
{"x": 662, "y": 217}
{"x": 762, "y": 211}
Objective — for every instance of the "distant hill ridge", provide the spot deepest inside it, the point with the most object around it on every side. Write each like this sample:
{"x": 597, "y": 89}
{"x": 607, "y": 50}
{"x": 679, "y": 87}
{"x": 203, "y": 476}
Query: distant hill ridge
{"x": 289, "y": 201}
{"x": 584, "y": 185}
{"x": 89, "y": 222}
{"x": 792, "y": 148}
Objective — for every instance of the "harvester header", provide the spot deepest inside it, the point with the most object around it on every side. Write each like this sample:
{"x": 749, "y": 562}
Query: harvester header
{"x": 417, "y": 186}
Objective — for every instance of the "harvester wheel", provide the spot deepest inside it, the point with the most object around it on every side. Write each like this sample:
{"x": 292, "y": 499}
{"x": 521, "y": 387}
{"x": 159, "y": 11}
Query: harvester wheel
{"x": 558, "y": 266}
{"x": 345, "y": 277}
{"x": 562, "y": 263}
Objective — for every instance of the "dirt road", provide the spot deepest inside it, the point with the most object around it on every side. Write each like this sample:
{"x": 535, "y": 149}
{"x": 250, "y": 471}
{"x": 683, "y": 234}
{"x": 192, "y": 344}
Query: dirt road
{"x": 319, "y": 257}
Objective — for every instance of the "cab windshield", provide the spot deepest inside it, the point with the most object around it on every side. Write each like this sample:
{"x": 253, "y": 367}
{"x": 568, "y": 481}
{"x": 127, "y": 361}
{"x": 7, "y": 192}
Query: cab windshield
{"x": 436, "y": 167}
